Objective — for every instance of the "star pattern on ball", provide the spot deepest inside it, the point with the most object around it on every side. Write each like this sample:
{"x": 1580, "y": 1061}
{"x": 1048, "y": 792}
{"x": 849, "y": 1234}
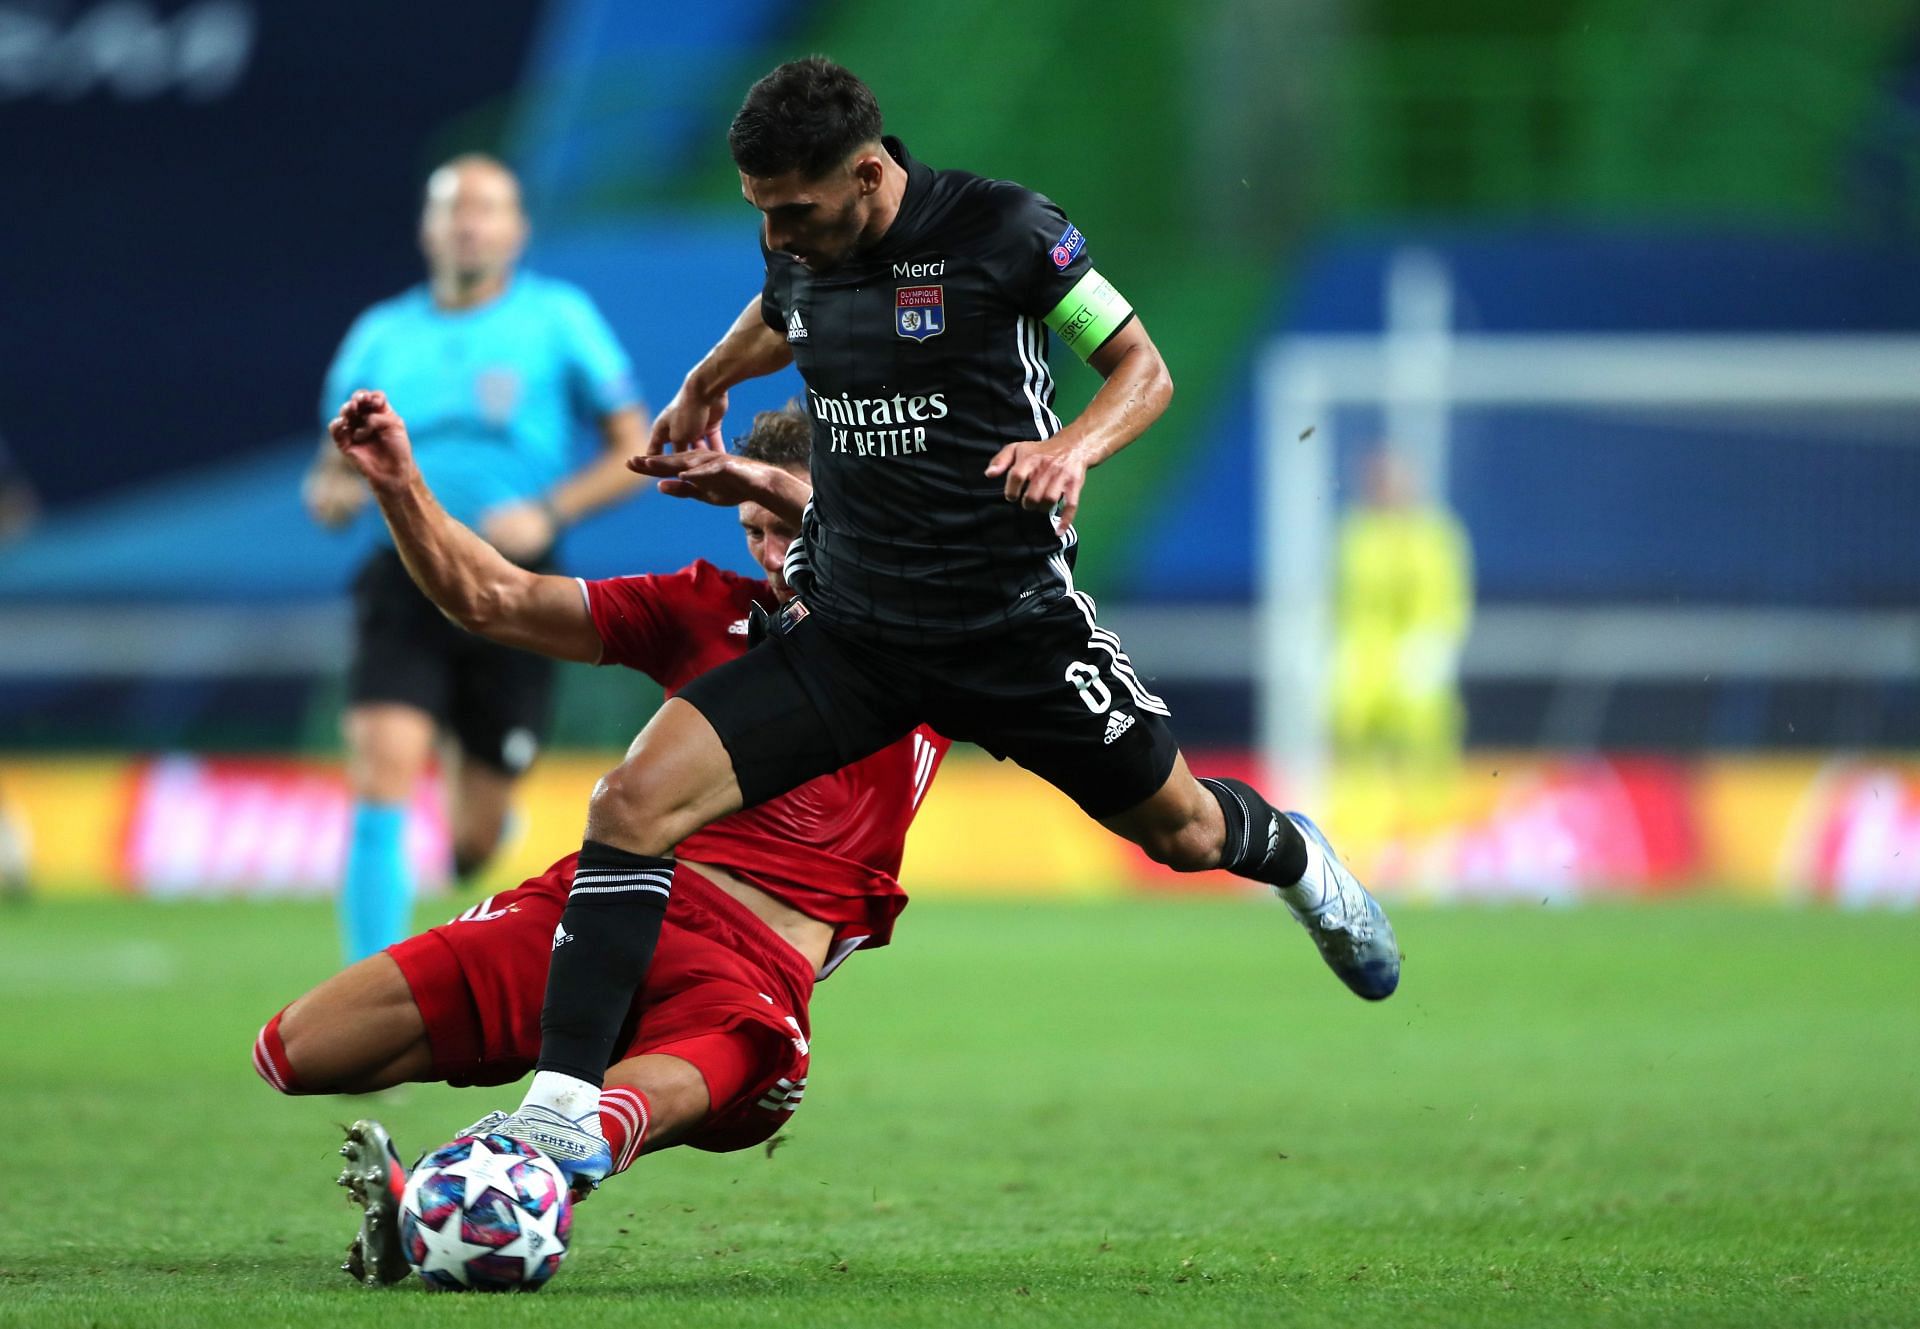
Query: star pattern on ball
{"x": 483, "y": 1168}
{"x": 539, "y": 1237}
{"x": 448, "y": 1251}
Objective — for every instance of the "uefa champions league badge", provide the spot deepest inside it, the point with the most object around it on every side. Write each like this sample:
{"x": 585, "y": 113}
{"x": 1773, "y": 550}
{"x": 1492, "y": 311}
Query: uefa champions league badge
{"x": 918, "y": 311}
{"x": 1067, "y": 248}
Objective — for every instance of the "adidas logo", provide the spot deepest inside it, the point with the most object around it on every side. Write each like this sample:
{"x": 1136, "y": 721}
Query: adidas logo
{"x": 737, "y": 628}
{"x": 796, "y": 330}
{"x": 1118, "y": 722}
{"x": 560, "y": 935}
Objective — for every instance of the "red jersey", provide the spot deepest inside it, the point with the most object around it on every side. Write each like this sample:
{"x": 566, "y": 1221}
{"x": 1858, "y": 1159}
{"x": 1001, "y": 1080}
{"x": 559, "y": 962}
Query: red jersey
{"x": 830, "y": 848}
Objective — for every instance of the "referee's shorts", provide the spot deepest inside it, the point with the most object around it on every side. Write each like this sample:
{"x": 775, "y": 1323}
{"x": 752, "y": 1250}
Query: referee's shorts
{"x": 496, "y": 701}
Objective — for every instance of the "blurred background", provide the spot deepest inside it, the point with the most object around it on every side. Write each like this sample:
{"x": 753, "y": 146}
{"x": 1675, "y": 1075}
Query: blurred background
{"x": 1538, "y": 499}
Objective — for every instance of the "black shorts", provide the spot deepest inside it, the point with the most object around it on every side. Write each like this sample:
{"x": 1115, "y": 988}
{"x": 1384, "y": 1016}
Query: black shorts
{"x": 1057, "y": 695}
{"x": 497, "y": 701}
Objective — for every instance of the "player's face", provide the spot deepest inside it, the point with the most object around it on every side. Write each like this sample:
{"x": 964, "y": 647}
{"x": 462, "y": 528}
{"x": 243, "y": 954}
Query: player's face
{"x": 767, "y": 540}
{"x": 472, "y": 227}
{"x": 818, "y": 222}
{"x": 1390, "y": 482}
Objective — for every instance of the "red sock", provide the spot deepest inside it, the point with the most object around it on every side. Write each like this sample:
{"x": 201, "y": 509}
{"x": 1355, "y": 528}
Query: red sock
{"x": 624, "y": 1115}
{"x": 270, "y": 1058}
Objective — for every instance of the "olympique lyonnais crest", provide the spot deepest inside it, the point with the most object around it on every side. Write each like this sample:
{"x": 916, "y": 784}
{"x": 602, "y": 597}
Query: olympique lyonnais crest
{"x": 918, "y": 311}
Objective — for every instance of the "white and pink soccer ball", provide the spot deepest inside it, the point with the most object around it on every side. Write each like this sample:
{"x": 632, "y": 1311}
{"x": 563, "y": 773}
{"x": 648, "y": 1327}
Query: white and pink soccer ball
{"x": 486, "y": 1214}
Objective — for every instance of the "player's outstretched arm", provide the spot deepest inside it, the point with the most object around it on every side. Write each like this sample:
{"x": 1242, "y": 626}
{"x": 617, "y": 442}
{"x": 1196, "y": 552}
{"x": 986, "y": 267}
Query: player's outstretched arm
{"x": 726, "y": 481}
{"x": 1043, "y": 472}
{"x": 472, "y": 582}
{"x": 692, "y": 419}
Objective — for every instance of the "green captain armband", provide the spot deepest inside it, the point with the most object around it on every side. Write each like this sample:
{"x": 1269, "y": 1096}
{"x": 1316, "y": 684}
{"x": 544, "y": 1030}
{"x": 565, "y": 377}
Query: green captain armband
{"x": 1091, "y": 312}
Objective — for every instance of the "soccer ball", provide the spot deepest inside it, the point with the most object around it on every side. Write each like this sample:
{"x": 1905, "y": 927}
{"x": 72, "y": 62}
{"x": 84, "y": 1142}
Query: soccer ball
{"x": 486, "y": 1214}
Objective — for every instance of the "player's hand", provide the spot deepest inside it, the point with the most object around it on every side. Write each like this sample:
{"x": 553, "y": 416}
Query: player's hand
{"x": 522, "y": 531}
{"x": 1041, "y": 475}
{"x": 333, "y": 495}
{"x": 719, "y": 478}
{"x": 691, "y": 422}
{"x": 373, "y": 438}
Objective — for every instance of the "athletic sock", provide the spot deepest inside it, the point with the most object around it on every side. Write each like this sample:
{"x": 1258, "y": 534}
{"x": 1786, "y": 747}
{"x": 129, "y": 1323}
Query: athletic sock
{"x": 1265, "y": 845}
{"x": 376, "y": 898}
{"x": 270, "y": 1061}
{"x": 601, "y": 952}
{"x": 625, "y": 1115}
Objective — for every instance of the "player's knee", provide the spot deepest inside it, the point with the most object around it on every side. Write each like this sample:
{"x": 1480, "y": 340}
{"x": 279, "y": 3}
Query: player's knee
{"x": 388, "y": 747}
{"x": 301, "y": 1050}
{"x": 380, "y": 775}
{"x": 634, "y": 803}
{"x": 271, "y": 1060}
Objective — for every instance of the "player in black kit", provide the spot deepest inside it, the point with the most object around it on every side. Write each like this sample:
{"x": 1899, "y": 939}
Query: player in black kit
{"x": 935, "y": 566}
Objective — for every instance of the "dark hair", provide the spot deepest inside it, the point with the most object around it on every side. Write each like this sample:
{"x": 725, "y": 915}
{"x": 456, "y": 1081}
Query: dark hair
{"x": 779, "y": 438}
{"x": 808, "y": 115}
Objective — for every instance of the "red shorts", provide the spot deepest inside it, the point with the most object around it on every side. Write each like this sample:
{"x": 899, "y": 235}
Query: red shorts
{"x": 479, "y": 982}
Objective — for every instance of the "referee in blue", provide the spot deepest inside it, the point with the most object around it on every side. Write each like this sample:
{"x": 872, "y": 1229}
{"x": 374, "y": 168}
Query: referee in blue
{"x": 498, "y": 371}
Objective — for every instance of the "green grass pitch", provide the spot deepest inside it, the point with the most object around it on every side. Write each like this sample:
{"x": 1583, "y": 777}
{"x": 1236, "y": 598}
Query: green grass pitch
{"x": 1052, "y": 1114}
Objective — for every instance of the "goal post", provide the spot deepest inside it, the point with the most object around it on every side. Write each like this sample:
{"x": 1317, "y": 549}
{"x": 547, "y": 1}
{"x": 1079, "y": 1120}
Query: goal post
{"x": 1312, "y": 391}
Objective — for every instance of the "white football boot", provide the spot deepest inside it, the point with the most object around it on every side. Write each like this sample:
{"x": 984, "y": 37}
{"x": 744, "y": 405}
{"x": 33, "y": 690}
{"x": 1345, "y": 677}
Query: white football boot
{"x": 1348, "y": 925}
{"x": 576, "y": 1147}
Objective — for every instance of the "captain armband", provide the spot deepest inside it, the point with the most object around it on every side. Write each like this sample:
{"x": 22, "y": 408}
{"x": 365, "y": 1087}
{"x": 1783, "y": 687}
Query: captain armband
{"x": 1091, "y": 312}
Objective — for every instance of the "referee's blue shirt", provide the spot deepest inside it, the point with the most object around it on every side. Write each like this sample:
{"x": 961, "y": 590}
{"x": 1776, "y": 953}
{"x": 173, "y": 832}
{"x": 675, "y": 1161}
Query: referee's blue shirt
{"x": 494, "y": 397}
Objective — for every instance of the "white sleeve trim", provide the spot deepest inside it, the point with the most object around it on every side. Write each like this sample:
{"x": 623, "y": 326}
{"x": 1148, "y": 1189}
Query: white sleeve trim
{"x": 587, "y": 600}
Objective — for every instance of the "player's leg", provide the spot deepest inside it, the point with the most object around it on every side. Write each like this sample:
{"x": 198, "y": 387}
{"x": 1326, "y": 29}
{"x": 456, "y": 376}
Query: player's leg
{"x": 459, "y": 1003}
{"x": 1192, "y": 824}
{"x": 675, "y": 778}
{"x": 397, "y": 691}
{"x": 738, "y": 735}
{"x": 479, "y": 802}
{"x": 1072, "y": 709}
{"x": 501, "y": 711}
{"x": 718, "y": 1059}
{"x": 1139, "y": 787}
{"x": 652, "y": 1102}
{"x": 714, "y": 1091}
{"x": 648, "y": 1102}
{"x": 389, "y": 745}
{"x": 358, "y": 1032}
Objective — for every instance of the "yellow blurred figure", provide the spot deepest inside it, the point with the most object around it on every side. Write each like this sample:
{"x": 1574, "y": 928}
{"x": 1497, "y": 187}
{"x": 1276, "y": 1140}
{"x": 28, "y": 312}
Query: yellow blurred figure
{"x": 1402, "y": 610}
{"x": 16, "y": 852}
{"x": 1404, "y": 605}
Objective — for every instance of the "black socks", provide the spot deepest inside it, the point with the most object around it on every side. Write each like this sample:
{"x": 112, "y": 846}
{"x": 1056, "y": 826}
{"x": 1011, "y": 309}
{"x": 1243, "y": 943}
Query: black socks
{"x": 1261, "y": 842}
{"x": 601, "y": 953}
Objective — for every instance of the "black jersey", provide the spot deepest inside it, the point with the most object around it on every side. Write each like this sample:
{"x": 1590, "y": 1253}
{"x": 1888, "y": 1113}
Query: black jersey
{"x": 923, "y": 357}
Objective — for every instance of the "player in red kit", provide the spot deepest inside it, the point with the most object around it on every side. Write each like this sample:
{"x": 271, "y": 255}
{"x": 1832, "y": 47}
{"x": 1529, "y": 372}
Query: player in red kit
{"x": 764, "y": 903}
